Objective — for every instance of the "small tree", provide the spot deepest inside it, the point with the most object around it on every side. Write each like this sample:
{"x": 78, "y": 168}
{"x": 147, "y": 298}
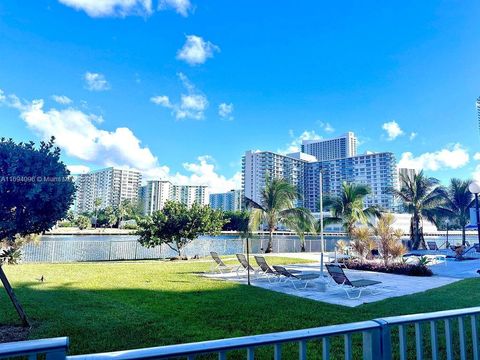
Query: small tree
{"x": 83, "y": 222}
{"x": 176, "y": 225}
{"x": 389, "y": 238}
{"x": 235, "y": 220}
{"x": 362, "y": 241}
{"x": 35, "y": 192}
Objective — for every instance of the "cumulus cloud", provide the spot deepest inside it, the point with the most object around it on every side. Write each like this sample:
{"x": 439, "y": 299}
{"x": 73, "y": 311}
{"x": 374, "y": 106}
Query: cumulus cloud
{"x": 182, "y": 7}
{"x": 225, "y": 111}
{"x": 196, "y": 51}
{"x": 326, "y": 127}
{"x": 413, "y": 135}
{"x": 62, "y": 99}
{"x": 393, "y": 129}
{"x": 78, "y": 169}
{"x": 192, "y": 105}
{"x": 96, "y": 82}
{"x": 79, "y": 136}
{"x": 105, "y": 8}
{"x": 161, "y": 100}
{"x": 451, "y": 157}
{"x": 476, "y": 156}
{"x": 296, "y": 142}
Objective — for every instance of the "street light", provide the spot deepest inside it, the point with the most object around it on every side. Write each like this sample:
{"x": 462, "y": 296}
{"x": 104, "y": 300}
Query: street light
{"x": 474, "y": 188}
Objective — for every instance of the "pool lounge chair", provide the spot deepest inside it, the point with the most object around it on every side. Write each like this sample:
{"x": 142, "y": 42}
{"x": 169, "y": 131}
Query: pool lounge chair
{"x": 432, "y": 245}
{"x": 244, "y": 266}
{"x": 220, "y": 266}
{"x": 350, "y": 286}
{"x": 295, "y": 277}
{"x": 267, "y": 271}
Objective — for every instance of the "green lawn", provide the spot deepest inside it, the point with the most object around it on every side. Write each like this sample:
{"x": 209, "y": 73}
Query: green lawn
{"x": 123, "y": 305}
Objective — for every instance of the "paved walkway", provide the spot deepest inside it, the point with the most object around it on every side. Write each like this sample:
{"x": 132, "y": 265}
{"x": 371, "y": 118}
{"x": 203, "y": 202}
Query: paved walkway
{"x": 391, "y": 285}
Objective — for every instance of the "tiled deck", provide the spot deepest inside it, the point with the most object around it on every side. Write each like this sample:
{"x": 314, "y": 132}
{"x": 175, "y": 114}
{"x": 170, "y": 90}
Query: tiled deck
{"x": 391, "y": 286}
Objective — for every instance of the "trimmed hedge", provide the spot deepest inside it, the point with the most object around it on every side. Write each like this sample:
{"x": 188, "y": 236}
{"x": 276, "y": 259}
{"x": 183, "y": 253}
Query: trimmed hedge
{"x": 393, "y": 268}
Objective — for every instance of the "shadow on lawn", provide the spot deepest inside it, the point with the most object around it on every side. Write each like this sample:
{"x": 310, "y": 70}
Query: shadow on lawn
{"x": 98, "y": 320}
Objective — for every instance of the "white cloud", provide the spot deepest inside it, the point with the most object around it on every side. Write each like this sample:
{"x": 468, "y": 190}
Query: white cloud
{"x": 161, "y": 100}
{"x": 476, "y": 156}
{"x": 327, "y": 127}
{"x": 104, "y": 8}
{"x": 182, "y": 7}
{"x": 78, "y": 169}
{"x": 191, "y": 106}
{"x": 393, "y": 129}
{"x": 196, "y": 51}
{"x": 225, "y": 111}
{"x": 413, "y": 135}
{"x": 62, "y": 99}
{"x": 295, "y": 144}
{"x": 78, "y": 135}
{"x": 452, "y": 157}
{"x": 96, "y": 82}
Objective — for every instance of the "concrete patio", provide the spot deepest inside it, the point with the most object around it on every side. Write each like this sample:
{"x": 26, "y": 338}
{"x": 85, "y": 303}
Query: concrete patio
{"x": 391, "y": 285}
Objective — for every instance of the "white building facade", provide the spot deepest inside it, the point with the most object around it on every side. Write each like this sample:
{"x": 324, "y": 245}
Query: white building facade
{"x": 110, "y": 186}
{"x": 156, "y": 193}
{"x": 331, "y": 149}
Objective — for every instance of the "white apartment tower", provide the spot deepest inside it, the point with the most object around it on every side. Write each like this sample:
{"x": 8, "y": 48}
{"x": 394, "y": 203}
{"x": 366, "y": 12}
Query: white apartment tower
{"x": 229, "y": 201}
{"x": 111, "y": 186}
{"x": 157, "y": 192}
{"x": 331, "y": 149}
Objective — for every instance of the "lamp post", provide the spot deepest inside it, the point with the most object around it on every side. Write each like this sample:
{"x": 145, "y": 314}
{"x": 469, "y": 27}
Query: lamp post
{"x": 322, "y": 241}
{"x": 447, "y": 244}
{"x": 474, "y": 188}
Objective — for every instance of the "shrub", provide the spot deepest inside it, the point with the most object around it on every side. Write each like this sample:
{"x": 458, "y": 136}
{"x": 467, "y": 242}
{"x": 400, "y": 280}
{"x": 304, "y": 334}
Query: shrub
{"x": 393, "y": 268}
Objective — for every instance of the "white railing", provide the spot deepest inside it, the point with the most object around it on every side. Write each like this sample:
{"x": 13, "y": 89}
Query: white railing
{"x": 420, "y": 336}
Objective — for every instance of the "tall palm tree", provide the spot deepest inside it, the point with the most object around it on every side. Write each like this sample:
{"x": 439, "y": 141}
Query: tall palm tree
{"x": 348, "y": 207}
{"x": 422, "y": 197}
{"x": 458, "y": 200}
{"x": 301, "y": 226}
{"x": 277, "y": 206}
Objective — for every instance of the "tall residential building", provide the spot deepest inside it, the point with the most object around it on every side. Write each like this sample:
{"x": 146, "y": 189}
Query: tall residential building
{"x": 257, "y": 165}
{"x": 478, "y": 111}
{"x": 404, "y": 173}
{"x": 229, "y": 201}
{"x": 111, "y": 186}
{"x": 156, "y": 193}
{"x": 331, "y": 149}
{"x": 376, "y": 170}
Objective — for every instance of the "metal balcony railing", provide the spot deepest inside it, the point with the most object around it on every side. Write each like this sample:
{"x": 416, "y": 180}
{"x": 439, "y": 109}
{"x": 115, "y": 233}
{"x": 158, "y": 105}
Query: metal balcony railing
{"x": 413, "y": 333}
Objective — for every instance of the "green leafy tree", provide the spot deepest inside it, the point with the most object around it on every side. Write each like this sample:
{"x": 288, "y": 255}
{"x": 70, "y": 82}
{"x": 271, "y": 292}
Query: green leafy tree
{"x": 422, "y": 197}
{"x": 235, "y": 220}
{"x": 96, "y": 203}
{"x": 457, "y": 203}
{"x": 176, "y": 225}
{"x": 348, "y": 208}
{"x": 302, "y": 225}
{"x": 36, "y": 191}
{"x": 277, "y": 206}
{"x": 83, "y": 222}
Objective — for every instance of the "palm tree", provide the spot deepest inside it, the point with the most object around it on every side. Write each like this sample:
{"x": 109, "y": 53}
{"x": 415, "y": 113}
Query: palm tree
{"x": 348, "y": 207}
{"x": 277, "y": 206}
{"x": 422, "y": 197}
{"x": 302, "y": 225}
{"x": 458, "y": 200}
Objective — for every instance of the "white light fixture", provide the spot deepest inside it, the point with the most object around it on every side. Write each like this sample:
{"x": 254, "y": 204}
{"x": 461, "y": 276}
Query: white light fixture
{"x": 474, "y": 187}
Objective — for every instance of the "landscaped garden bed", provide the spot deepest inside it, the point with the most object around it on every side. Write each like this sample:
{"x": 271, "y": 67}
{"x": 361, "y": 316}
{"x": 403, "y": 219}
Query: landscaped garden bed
{"x": 392, "y": 268}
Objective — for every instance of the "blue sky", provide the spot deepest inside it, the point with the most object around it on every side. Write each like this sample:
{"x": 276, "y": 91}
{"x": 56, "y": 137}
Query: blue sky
{"x": 181, "y": 88}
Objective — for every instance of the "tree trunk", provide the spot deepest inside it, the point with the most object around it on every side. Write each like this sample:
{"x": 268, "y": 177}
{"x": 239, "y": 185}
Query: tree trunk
{"x": 302, "y": 246}
{"x": 463, "y": 236}
{"x": 13, "y": 298}
{"x": 270, "y": 242}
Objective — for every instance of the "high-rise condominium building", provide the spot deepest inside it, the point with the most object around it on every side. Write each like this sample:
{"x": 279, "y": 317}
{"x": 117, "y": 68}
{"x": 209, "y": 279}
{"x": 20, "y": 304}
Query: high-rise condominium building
{"x": 405, "y": 173}
{"x": 478, "y": 111}
{"x": 376, "y": 170}
{"x": 258, "y": 165}
{"x": 110, "y": 186}
{"x": 229, "y": 201}
{"x": 156, "y": 193}
{"x": 331, "y": 149}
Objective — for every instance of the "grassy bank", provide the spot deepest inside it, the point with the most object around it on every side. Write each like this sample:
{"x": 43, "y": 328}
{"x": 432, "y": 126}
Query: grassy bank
{"x": 124, "y": 305}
